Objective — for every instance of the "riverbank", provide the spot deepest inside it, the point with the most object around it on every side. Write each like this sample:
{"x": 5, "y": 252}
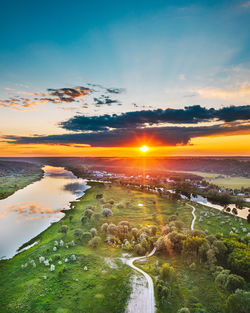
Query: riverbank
{"x": 83, "y": 282}
{"x": 17, "y": 175}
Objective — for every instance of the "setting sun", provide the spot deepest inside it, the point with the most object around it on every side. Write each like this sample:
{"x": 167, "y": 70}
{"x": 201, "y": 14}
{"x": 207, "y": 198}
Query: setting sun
{"x": 144, "y": 149}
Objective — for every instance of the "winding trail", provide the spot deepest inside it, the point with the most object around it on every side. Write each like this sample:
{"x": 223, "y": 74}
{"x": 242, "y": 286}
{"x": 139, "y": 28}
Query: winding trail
{"x": 146, "y": 304}
{"x": 193, "y": 221}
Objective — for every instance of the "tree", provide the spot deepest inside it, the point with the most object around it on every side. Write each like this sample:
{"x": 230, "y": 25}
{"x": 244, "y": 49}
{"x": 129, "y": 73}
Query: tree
{"x": 163, "y": 291}
{"x": 239, "y": 203}
{"x": 139, "y": 249}
{"x": 107, "y": 212}
{"x": 112, "y": 229}
{"x": 94, "y": 242}
{"x": 93, "y": 232}
{"x": 84, "y": 219}
{"x": 64, "y": 229}
{"x": 234, "y": 282}
{"x": 78, "y": 234}
{"x": 238, "y": 302}
{"x": 88, "y": 213}
{"x": 86, "y": 236}
{"x": 104, "y": 227}
{"x": 166, "y": 272}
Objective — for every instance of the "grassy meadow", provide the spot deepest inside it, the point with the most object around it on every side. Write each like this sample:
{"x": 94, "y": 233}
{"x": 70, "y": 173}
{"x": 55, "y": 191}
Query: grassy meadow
{"x": 97, "y": 281}
{"x": 223, "y": 181}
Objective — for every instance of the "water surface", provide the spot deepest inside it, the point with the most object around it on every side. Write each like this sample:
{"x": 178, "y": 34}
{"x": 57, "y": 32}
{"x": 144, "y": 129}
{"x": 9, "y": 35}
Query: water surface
{"x": 31, "y": 210}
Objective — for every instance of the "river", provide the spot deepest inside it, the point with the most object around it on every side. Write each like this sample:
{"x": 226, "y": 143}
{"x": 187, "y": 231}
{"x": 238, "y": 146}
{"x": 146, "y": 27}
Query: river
{"x": 32, "y": 209}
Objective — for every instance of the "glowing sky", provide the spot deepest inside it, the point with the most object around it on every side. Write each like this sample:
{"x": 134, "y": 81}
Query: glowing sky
{"x": 67, "y": 69}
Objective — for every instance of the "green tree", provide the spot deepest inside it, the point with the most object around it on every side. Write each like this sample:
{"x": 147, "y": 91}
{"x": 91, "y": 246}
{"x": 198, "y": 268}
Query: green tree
{"x": 234, "y": 282}
{"x": 238, "y": 302}
{"x": 166, "y": 272}
{"x": 64, "y": 229}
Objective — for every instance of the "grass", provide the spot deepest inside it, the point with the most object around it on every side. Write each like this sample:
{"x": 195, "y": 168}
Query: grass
{"x": 221, "y": 180}
{"x": 18, "y": 178}
{"x": 214, "y": 221}
{"x": 101, "y": 288}
{"x": 188, "y": 286}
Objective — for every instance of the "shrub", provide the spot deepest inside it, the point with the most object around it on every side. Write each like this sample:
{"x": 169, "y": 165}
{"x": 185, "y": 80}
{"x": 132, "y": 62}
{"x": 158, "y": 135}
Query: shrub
{"x": 112, "y": 229}
{"x": 95, "y": 242}
{"x": 139, "y": 249}
{"x": 64, "y": 229}
{"x": 107, "y": 212}
{"x": 238, "y": 302}
{"x": 78, "y": 234}
{"x": 88, "y": 213}
{"x": 104, "y": 227}
{"x": 166, "y": 272}
{"x": 86, "y": 236}
{"x": 93, "y": 232}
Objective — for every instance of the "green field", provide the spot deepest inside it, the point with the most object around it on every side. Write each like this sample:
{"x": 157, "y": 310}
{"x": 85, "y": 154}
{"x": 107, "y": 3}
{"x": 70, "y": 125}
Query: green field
{"x": 104, "y": 286}
{"x": 17, "y": 175}
{"x": 222, "y": 180}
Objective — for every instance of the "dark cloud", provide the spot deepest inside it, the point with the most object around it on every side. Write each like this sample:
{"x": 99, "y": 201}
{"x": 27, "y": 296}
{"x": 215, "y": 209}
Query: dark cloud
{"x": 138, "y": 119}
{"x": 62, "y": 96}
{"x": 69, "y": 94}
{"x": 169, "y": 136}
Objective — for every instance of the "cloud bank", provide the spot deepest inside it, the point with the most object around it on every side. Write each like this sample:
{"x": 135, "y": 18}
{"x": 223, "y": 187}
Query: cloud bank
{"x": 132, "y": 128}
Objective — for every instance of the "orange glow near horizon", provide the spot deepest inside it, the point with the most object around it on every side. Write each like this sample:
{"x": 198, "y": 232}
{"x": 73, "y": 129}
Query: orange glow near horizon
{"x": 234, "y": 145}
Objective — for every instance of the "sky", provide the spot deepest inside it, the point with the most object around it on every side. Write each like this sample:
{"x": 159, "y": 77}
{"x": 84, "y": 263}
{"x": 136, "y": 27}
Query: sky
{"x": 102, "y": 78}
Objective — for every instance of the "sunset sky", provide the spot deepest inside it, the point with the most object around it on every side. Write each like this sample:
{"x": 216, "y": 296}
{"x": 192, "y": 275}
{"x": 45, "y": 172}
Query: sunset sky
{"x": 102, "y": 78}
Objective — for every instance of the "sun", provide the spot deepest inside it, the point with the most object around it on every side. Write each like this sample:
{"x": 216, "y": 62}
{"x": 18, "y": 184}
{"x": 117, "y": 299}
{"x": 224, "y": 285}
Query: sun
{"x": 144, "y": 149}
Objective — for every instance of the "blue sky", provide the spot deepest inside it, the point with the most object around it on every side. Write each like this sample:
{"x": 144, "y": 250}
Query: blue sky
{"x": 166, "y": 54}
{"x": 125, "y": 43}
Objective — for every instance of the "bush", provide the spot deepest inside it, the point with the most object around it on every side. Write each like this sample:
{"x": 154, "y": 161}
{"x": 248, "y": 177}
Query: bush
{"x": 93, "y": 232}
{"x": 78, "y": 234}
{"x": 64, "y": 229}
{"x": 234, "y": 282}
{"x": 86, "y": 236}
{"x": 107, "y": 212}
{"x": 238, "y": 302}
{"x": 166, "y": 272}
{"x": 112, "y": 229}
{"x": 95, "y": 242}
{"x": 88, "y": 213}
{"x": 163, "y": 291}
{"x": 139, "y": 249}
{"x": 104, "y": 227}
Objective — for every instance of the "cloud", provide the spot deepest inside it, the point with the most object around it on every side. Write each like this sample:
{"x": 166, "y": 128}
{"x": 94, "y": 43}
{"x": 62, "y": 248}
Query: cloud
{"x": 242, "y": 92}
{"x": 169, "y": 136}
{"x": 139, "y": 119}
{"x": 62, "y": 96}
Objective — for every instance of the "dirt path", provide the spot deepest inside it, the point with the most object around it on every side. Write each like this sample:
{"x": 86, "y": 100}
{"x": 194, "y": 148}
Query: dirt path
{"x": 193, "y": 221}
{"x": 142, "y": 297}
